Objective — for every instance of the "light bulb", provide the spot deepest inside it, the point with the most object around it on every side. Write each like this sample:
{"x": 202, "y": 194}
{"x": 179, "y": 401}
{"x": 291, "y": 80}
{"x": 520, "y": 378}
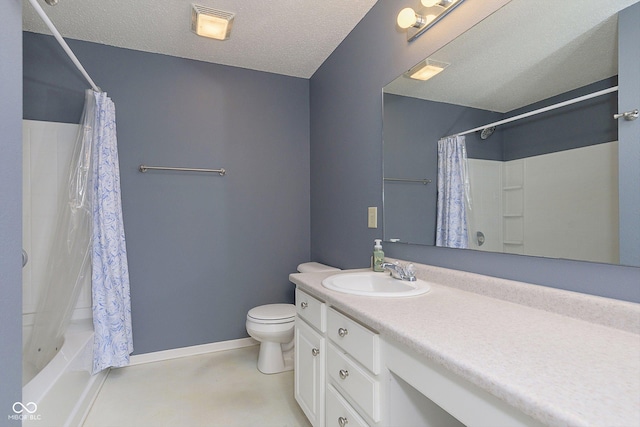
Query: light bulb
{"x": 430, "y": 3}
{"x": 407, "y": 18}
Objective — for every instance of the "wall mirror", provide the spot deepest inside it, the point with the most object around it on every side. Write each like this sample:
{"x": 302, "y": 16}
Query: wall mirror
{"x": 545, "y": 185}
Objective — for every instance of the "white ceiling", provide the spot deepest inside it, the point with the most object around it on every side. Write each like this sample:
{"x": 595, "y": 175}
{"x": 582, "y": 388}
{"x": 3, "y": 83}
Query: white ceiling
{"x": 525, "y": 52}
{"x": 289, "y": 37}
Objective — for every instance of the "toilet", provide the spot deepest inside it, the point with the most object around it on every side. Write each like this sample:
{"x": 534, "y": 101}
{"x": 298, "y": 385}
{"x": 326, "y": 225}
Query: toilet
{"x": 273, "y": 324}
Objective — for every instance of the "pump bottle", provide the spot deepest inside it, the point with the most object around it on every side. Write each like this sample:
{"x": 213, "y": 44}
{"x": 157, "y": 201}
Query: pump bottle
{"x": 378, "y": 256}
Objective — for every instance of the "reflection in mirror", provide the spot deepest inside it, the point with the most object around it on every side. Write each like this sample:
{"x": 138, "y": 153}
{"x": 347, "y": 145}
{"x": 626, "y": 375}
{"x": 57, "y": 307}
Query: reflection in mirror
{"x": 546, "y": 184}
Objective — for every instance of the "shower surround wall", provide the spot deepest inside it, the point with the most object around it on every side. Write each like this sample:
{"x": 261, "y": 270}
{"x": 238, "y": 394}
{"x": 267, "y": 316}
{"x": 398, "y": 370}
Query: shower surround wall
{"x": 202, "y": 249}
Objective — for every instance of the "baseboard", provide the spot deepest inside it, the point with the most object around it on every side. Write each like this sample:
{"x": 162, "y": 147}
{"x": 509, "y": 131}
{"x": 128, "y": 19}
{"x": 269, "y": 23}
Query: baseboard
{"x": 175, "y": 353}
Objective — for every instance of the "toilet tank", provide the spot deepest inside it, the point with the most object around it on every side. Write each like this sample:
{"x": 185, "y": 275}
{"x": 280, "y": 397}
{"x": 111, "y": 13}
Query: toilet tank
{"x": 315, "y": 267}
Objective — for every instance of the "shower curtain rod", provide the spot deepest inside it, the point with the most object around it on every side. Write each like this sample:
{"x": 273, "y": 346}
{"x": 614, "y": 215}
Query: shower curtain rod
{"x": 540, "y": 110}
{"x": 63, "y": 43}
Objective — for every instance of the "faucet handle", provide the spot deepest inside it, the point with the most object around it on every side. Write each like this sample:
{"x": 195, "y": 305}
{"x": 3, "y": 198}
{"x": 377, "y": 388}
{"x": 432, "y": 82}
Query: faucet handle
{"x": 410, "y": 271}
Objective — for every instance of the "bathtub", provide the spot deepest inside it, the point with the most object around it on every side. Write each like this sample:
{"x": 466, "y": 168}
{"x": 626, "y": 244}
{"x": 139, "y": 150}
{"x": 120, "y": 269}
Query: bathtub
{"x": 65, "y": 389}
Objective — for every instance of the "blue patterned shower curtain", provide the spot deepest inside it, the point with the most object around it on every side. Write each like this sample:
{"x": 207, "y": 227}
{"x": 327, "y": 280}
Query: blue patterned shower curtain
{"x": 453, "y": 193}
{"x": 113, "y": 342}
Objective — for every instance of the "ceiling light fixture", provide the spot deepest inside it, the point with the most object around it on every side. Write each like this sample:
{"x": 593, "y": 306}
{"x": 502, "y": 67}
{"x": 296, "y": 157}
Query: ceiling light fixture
{"x": 417, "y": 23}
{"x": 426, "y": 69}
{"x": 212, "y": 23}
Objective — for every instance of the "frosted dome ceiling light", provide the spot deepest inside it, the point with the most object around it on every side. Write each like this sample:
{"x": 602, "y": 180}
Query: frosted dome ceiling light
{"x": 212, "y": 23}
{"x": 409, "y": 18}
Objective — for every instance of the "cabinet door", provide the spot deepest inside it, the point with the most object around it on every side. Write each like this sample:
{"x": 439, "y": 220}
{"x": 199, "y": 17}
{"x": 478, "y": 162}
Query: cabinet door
{"x": 309, "y": 372}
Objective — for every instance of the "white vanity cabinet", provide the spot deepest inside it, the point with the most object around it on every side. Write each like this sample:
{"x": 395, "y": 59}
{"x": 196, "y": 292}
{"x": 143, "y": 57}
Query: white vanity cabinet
{"x": 310, "y": 355}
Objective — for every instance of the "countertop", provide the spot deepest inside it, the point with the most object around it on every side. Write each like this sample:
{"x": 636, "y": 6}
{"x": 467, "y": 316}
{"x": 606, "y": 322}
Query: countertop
{"x": 564, "y": 358}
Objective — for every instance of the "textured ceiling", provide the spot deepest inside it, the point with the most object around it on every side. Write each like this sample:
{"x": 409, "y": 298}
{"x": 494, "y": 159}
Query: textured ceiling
{"x": 289, "y": 37}
{"x": 524, "y": 53}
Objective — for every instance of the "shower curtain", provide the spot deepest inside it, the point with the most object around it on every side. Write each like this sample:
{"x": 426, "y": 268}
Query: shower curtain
{"x": 89, "y": 244}
{"x": 113, "y": 341}
{"x": 453, "y": 193}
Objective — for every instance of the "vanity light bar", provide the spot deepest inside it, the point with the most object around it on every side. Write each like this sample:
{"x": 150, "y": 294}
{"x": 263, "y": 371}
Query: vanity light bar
{"x": 417, "y": 23}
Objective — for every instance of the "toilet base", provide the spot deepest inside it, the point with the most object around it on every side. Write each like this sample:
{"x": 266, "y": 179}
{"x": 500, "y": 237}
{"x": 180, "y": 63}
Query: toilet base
{"x": 273, "y": 360}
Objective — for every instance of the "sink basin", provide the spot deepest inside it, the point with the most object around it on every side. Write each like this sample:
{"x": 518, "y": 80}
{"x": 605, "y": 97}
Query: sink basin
{"x": 374, "y": 284}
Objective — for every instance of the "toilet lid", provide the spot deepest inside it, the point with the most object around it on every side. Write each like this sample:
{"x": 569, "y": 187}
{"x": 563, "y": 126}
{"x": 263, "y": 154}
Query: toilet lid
{"x": 273, "y": 313}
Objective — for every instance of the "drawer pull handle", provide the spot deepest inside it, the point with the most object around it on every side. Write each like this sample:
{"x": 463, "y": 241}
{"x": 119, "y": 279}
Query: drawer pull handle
{"x": 315, "y": 351}
{"x": 342, "y": 421}
{"x": 344, "y": 374}
{"x": 304, "y": 305}
{"x": 342, "y": 332}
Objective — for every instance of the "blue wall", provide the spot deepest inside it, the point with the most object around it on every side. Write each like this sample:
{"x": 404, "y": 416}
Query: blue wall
{"x": 10, "y": 208}
{"x": 203, "y": 249}
{"x": 346, "y": 162}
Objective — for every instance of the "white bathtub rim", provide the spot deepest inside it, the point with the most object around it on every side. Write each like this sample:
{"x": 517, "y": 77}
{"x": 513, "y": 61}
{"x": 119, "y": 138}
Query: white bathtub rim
{"x": 78, "y": 337}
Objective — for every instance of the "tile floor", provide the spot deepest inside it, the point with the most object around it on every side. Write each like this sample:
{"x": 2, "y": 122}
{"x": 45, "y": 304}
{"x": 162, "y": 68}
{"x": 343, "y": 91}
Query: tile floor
{"x": 211, "y": 390}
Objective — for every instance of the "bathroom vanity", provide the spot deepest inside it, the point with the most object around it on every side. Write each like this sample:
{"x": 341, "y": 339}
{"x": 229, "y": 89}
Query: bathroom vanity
{"x": 474, "y": 350}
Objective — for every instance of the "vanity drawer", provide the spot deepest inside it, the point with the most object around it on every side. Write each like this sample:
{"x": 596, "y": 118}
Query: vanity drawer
{"x": 339, "y": 412}
{"x": 356, "y": 382}
{"x": 312, "y": 310}
{"x": 361, "y": 343}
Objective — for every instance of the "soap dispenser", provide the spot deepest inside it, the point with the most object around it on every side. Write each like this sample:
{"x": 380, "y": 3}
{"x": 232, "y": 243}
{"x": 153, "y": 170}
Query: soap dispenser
{"x": 378, "y": 256}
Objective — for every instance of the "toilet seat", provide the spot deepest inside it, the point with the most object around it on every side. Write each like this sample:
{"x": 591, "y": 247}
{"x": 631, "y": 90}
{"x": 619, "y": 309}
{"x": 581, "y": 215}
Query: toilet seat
{"x": 272, "y": 313}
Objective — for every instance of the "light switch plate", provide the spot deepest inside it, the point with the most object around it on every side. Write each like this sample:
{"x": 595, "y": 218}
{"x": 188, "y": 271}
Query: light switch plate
{"x": 373, "y": 217}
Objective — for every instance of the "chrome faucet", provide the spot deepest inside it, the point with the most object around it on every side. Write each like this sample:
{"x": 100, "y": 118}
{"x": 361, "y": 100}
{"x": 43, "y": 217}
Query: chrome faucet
{"x": 399, "y": 272}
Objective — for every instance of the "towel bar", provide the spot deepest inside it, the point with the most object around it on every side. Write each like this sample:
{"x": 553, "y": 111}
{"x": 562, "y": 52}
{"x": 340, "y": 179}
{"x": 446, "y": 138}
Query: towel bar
{"x": 144, "y": 168}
